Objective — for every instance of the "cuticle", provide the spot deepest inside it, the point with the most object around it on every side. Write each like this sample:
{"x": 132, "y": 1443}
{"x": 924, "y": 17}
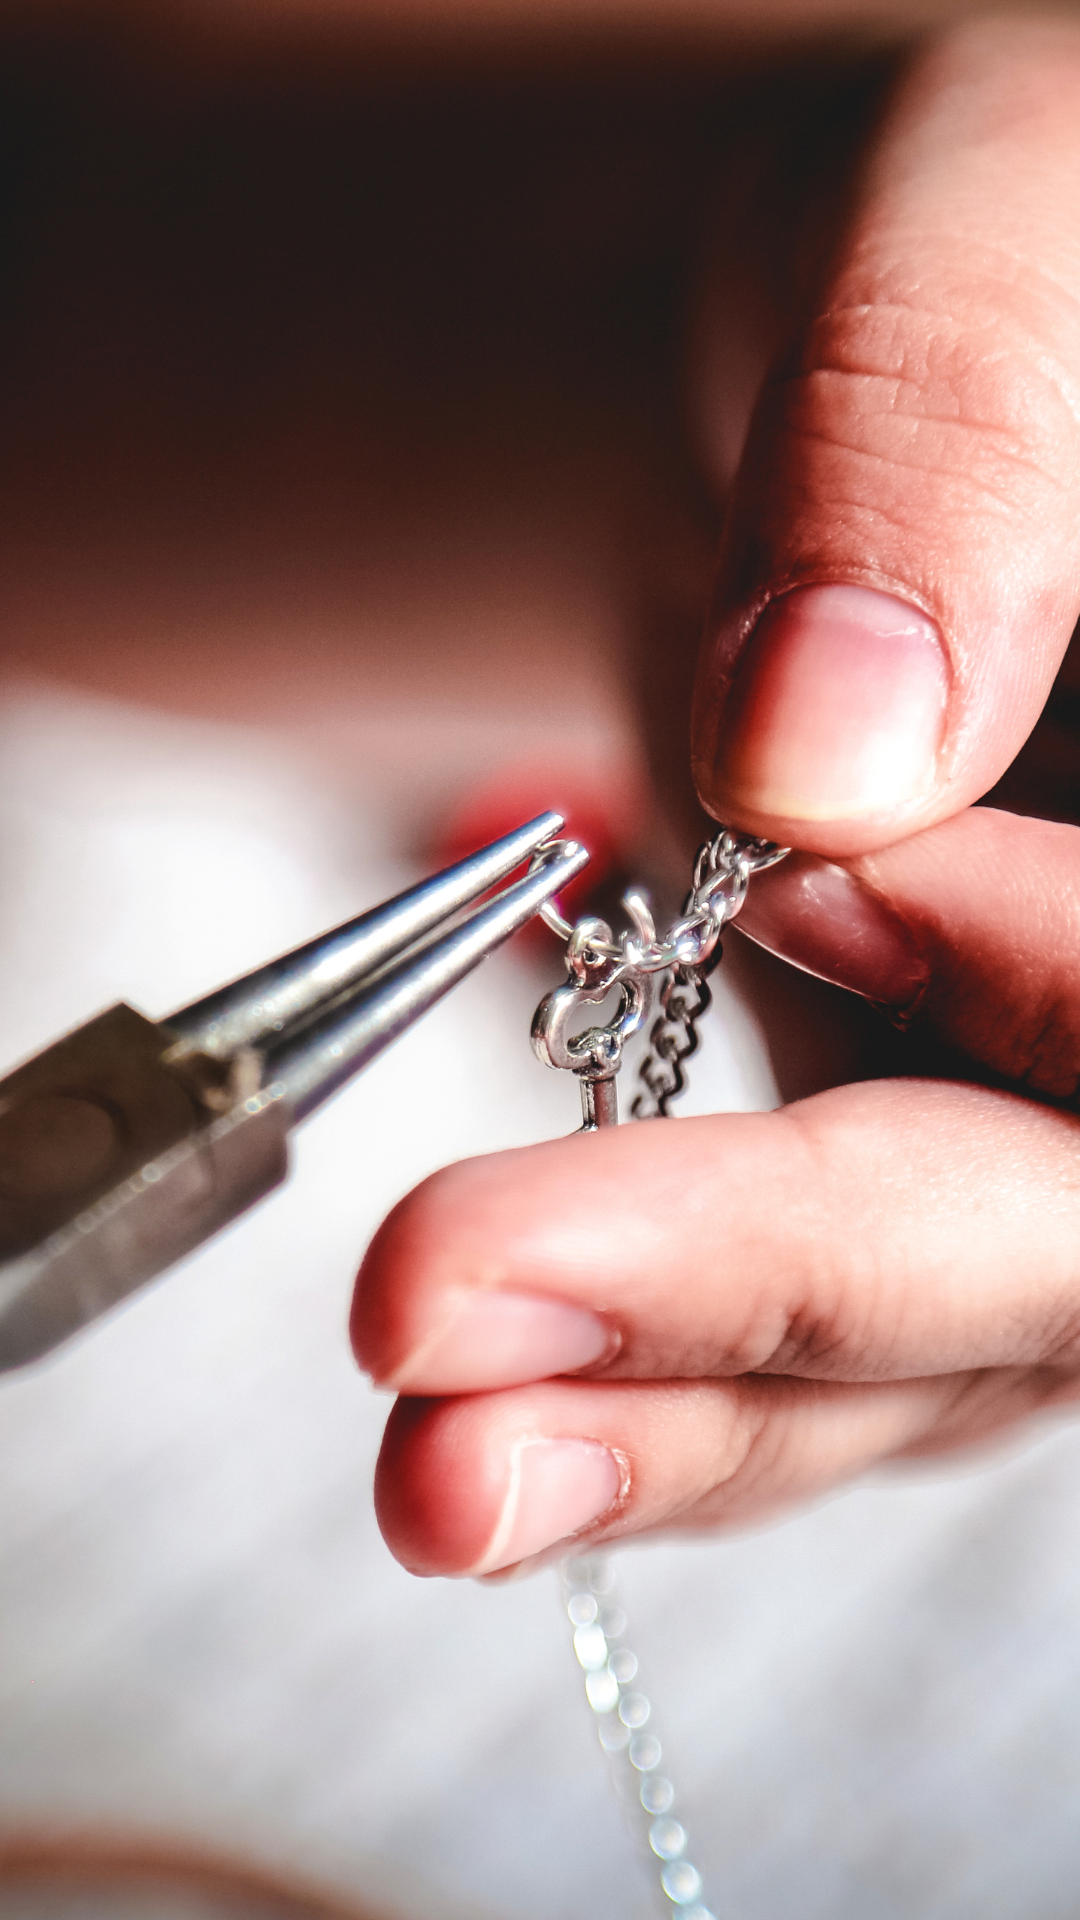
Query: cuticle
{"x": 870, "y": 577}
{"x": 622, "y": 1461}
{"x": 910, "y": 1011}
{"x": 905, "y": 1017}
{"x": 618, "y": 1505}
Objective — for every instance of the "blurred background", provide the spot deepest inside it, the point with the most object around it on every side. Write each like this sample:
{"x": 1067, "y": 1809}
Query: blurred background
{"x": 371, "y": 382}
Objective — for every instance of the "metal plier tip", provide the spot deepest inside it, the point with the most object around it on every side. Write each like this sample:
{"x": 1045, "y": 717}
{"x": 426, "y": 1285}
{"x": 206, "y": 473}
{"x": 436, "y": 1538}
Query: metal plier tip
{"x": 130, "y": 1141}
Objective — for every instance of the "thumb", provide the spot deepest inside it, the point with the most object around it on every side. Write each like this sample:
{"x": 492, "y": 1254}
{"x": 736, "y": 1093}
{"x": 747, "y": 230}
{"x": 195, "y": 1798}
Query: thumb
{"x": 901, "y": 569}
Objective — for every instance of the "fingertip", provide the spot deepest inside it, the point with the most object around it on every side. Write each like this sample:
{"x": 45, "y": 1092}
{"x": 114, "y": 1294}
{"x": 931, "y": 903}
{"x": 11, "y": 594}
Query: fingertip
{"x": 823, "y": 920}
{"x": 371, "y": 1310}
{"x": 438, "y": 1490}
{"x": 401, "y": 1269}
{"x": 828, "y": 733}
{"x": 483, "y": 1484}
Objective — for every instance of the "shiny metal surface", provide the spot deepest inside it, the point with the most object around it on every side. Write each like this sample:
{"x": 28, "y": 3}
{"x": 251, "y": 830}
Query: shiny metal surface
{"x": 599, "y": 1104}
{"x": 722, "y": 873}
{"x": 595, "y": 1055}
{"x": 129, "y": 1142}
{"x": 314, "y": 1065}
{"x": 722, "y": 868}
{"x": 250, "y": 1011}
{"x": 599, "y": 965}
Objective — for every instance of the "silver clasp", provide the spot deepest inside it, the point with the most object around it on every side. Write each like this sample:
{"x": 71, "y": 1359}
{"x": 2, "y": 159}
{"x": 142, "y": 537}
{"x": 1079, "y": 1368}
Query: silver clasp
{"x": 595, "y": 1055}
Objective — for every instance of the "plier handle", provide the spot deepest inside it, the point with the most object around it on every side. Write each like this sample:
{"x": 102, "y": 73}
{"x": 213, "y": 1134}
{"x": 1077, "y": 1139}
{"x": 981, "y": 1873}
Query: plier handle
{"x": 130, "y": 1141}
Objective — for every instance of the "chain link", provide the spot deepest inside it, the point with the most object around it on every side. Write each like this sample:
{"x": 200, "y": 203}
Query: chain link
{"x": 721, "y": 877}
{"x": 624, "y": 1724}
{"x": 685, "y": 957}
{"x": 598, "y": 964}
{"x": 722, "y": 873}
{"x": 685, "y": 996}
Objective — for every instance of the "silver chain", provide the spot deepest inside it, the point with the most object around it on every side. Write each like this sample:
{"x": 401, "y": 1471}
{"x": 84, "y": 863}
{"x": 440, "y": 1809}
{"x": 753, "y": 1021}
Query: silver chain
{"x": 596, "y": 965}
{"x": 624, "y": 1723}
{"x": 722, "y": 873}
{"x": 634, "y": 966}
{"x": 684, "y": 997}
{"x": 721, "y": 876}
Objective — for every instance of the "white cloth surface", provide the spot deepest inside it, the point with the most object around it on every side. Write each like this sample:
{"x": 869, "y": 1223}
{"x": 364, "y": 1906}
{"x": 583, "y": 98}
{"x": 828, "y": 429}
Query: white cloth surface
{"x": 872, "y": 1711}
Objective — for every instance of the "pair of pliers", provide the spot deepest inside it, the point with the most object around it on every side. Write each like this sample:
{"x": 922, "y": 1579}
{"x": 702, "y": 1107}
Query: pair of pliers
{"x": 130, "y": 1141}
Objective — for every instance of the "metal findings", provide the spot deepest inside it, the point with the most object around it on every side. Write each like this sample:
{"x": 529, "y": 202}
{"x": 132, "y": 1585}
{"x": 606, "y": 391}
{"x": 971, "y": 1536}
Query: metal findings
{"x": 684, "y": 997}
{"x": 596, "y": 970}
{"x": 598, "y": 965}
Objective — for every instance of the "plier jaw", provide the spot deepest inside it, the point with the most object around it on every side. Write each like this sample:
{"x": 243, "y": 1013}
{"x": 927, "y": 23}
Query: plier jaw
{"x": 130, "y": 1141}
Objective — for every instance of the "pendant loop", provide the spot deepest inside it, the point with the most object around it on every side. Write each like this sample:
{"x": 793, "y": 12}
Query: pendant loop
{"x": 595, "y": 1055}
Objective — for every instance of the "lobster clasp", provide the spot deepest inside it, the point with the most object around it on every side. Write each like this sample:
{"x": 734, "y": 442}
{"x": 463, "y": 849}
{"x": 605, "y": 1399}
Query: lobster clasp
{"x": 596, "y": 969}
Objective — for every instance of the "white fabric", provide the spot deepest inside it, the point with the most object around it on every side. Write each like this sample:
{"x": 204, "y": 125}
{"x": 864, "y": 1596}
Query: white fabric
{"x": 871, "y": 1712}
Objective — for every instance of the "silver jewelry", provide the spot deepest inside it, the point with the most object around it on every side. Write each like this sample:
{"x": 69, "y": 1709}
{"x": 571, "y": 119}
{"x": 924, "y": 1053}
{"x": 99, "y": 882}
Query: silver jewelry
{"x": 675, "y": 969}
{"x": 636, "y": 965}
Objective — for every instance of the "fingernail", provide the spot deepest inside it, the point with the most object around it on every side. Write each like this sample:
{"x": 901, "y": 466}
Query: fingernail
{"x": 837, "y": 708}
{"x": 821, "y": 919}
{"x": 502, "y": 1339}
{"x": 556, "y": 1488}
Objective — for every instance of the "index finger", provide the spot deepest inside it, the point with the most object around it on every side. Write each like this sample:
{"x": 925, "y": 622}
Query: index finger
{"x": 875, "y": 1232}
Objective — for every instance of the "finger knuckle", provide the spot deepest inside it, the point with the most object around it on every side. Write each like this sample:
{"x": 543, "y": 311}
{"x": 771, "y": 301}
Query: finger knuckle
{"x": 841, "y": 1311}
{"x": 914, "y": 393}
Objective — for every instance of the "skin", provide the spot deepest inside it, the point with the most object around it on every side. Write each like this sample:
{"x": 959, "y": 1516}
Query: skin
{"x": 883, "y": 1270}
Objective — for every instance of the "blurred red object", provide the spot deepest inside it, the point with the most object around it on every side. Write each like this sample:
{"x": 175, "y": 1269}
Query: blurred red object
{"x": 602, "y": 810}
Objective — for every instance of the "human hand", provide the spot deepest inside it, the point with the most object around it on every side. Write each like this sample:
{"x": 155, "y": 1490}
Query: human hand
{"x": 900, "y": 575}
{"x": 763, "y": 1305}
